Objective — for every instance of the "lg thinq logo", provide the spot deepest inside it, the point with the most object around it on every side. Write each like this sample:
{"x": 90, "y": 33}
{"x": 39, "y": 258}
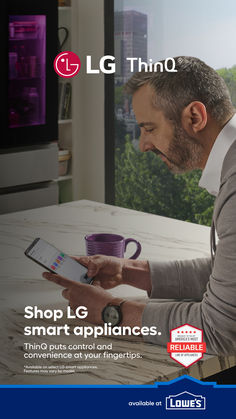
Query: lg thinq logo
{"x": 67, "y": 64}
{"x": 185, "y": 401}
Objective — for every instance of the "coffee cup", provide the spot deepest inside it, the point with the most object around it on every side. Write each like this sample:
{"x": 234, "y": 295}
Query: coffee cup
{"x": 110, "y": 245}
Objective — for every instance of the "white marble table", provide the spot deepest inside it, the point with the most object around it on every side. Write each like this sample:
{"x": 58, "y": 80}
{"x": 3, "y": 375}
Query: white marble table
{"x": 21, "y": 284}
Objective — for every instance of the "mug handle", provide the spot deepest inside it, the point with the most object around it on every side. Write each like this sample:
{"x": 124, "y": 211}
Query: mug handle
{"x": 139, "y": 247}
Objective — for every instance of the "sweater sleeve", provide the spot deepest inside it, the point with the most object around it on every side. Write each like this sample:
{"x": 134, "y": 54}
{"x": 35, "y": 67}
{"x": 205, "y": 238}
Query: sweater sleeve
{"x": 180, "y": 279}
{"x": 216, "y": 313}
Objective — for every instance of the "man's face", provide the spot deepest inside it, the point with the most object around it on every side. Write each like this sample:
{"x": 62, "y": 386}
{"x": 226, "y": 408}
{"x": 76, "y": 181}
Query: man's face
{"x": 169, "y": 140}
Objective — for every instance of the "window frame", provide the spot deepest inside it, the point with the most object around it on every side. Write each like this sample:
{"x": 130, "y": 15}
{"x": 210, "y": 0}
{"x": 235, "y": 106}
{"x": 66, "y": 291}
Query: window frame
{"x": 109, "y": 106}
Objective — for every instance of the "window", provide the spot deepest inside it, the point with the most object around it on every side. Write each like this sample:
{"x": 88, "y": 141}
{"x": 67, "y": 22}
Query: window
{"x": 156, "y": 30}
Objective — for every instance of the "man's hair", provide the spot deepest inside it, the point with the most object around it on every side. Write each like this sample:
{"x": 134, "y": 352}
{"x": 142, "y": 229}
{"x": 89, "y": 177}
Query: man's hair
{"x": 193, "y": 81}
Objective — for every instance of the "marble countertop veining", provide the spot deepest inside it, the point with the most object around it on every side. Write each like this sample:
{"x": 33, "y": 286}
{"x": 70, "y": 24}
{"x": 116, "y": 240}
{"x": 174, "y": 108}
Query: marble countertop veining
{"x": 21, "y": 284}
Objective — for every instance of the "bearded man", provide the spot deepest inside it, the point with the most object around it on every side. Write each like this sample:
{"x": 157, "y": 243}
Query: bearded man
{"x": 188, "y": 120}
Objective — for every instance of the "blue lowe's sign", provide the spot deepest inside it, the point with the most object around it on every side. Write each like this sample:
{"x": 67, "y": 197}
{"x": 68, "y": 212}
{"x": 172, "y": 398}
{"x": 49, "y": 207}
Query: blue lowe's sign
{"x": 117, "y": 401}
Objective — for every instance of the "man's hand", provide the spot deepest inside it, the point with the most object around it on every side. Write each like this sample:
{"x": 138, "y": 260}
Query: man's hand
{"x": 107, "y": 270}
{"x": 94, "y": 298}
{"x": 110, "y": 271}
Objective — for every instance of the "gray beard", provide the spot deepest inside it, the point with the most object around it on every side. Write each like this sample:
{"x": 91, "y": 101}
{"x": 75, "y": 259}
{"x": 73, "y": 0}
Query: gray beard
{"x": 184, "y": 153}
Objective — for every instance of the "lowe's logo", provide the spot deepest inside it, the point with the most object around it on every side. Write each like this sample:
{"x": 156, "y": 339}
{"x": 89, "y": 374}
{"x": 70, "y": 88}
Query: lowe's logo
{"x": 185, "y": 401}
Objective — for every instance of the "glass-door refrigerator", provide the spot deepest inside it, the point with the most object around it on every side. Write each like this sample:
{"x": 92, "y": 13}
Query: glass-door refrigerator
{"x": 28, "y": 105}
{"x": 29, "y": 83}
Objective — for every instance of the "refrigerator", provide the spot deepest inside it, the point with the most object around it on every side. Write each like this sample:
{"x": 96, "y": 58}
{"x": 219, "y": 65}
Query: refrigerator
{"x": 29, "y": 104}
{"x": 29, "y": 83}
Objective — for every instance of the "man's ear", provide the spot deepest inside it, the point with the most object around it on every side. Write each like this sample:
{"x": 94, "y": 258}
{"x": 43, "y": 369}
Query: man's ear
{"x": 194, "y": 117}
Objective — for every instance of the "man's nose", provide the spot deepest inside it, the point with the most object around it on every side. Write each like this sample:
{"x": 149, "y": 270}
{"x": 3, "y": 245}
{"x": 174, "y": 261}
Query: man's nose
{"x": 143, "y": 143}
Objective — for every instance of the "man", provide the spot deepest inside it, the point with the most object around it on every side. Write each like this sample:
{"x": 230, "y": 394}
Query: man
{"x": 187, "y": 119}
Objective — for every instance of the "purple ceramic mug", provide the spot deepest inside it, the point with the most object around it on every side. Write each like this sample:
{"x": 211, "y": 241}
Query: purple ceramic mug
{"x": 110, "y": 245}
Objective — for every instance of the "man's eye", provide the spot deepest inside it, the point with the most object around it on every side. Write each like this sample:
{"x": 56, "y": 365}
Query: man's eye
{"x": 149, "y": 130}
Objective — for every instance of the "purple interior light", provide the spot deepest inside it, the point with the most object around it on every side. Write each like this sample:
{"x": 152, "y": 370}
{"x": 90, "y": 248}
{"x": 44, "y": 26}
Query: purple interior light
{"x": 27, "y": 70}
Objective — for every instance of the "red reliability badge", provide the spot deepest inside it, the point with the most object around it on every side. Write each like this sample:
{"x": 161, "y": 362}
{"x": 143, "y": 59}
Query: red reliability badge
{"x": 186, "y": 345}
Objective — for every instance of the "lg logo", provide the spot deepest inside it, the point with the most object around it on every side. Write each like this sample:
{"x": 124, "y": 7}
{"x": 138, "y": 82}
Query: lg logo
{"x": 67, "y": 64}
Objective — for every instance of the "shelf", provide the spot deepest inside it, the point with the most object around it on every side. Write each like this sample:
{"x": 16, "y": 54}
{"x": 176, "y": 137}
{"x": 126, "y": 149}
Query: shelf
{"x": 24, "y": 39}
{"x": 26, "y": 78}
{"x": 64, "y": 8}
{"x": 64, "y": 121}
{"x": 61, "y": 178}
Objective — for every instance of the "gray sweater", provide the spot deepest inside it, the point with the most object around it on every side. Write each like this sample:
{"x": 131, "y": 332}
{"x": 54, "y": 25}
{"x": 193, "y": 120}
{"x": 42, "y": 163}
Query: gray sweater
{"x": 209, "y": 282}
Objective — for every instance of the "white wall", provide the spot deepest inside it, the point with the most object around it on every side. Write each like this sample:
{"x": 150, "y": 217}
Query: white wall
{"x": 88, "y": 102}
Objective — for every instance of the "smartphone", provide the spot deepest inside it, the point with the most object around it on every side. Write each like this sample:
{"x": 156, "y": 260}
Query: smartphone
{"x": 56, "y": 261}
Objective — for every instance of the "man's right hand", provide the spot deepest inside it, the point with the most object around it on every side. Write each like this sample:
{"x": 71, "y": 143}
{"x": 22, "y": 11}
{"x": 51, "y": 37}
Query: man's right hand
{"x": 110, "y": 271}
{"x": 107, "y": 270}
